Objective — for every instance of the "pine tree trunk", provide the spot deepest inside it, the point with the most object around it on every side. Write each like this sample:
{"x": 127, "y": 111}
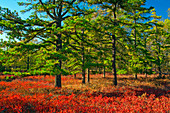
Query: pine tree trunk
{"x": 58, "y": 77}
{"x": 145, "y": 62}
{"x": 114, "y": 51}
{"x": 57, "y": 81}
{"x": 104, "y": 73}
{"x": 114, "y": 59}
{"x": 28, "y": 63}
{"x": 58, "y": 47}
{"x": 88, "y": 75}
{"x": 159, "y": 64}
{"x": 136, "y": 76}
{"x": 83, "y": 69}
{"x": 74, "y": 76}
{"x": 159, "y": 68}
{"x": 96, "y": 70}
{"x": 146, "y": 73}
{"x": 100, "y": 70}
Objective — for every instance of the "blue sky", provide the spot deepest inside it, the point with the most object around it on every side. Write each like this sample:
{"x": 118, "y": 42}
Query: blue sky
{"x": 161, "y": 7}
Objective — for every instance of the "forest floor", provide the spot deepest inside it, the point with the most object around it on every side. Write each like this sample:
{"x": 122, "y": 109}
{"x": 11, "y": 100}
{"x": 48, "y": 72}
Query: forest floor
{"x": 37, "y": 94}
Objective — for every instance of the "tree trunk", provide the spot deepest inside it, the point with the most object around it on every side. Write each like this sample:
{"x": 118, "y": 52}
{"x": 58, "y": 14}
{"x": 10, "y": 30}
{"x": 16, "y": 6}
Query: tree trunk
{"x": 159, "y": 68}
{"x": 159, "y": 64}
{"x": 114, "y": 51}
{"x": 28, "y": 63}
{"x": 114, "y": 59}
{"x": 104, "y": 73}
{"x": 100, "y": 71}
{"x": 58, "y": 77}
{"x": 136, "y": 76}
{"x": 88, "y": 75}
{"x": 57, "y": 80}
{"x": 96, "y": 71}
{"x": 146, "y": 73}
{"x": 145, "y": 61}
{"x": 74, "y": 76}
{"x": 58, "y": 47}
{"x": 83, "y": 69}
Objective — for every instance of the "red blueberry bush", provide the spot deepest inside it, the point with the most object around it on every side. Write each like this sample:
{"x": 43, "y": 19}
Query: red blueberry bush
{"x": 36, "y": 94}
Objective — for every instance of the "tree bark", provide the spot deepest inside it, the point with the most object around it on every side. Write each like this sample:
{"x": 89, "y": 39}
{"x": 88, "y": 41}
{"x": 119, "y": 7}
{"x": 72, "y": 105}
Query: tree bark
{"x": 58, "y": 47}
{"x": 88, "y": 75}
{"x": 28, "y": 63}
{"x": 114, "y": 51}
{"x": 58, "y": 77}
{"x": 159, "y": 68}
{"x": 159, "y": 64}
{"x": 100, "y": 70}
{"x": 145, "y": 62}
{"x": 104, "y": 73}
{"x": 146, "y": 73}
{"x": 136, "y": 76}
{"x": 74, "y": 76}
{"x": 83, "y": 69}
{"x": 114, "y": 59}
